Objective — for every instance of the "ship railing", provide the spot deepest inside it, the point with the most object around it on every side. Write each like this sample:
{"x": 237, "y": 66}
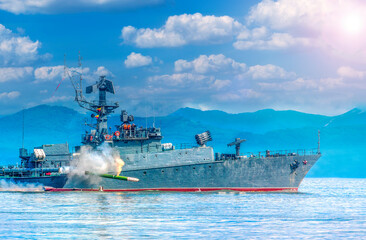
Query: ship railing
{"x": 184, "y": 146}
{"x": 279, "y": 153}
{"x": 269, "y": 153}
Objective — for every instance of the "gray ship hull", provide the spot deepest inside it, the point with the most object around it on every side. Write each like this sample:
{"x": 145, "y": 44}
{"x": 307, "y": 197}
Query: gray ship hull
{"x": 46, "y": 181}
{"x": 250, "y": 174}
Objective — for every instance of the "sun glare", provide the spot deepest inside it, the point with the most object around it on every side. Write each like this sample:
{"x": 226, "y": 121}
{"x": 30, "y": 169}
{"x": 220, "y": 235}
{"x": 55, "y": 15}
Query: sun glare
{"x": 353, "y": 24}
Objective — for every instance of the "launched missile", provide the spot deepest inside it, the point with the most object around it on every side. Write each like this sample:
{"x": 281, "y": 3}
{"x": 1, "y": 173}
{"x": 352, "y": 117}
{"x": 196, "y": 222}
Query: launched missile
{"x": 123, "y": 178}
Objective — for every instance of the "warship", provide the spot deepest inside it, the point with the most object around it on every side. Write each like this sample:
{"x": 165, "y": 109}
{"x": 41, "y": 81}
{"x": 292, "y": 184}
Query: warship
{"x": 152, "y": 165}
{"x": 158, "y": 166}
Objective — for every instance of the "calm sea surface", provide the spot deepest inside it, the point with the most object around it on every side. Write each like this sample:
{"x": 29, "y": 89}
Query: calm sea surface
{"x": 323, "y": 209}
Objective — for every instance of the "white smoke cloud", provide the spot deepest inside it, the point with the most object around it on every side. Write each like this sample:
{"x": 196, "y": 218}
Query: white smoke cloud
{"x": 102, "y": 160}
{"x": 9, "y": 186}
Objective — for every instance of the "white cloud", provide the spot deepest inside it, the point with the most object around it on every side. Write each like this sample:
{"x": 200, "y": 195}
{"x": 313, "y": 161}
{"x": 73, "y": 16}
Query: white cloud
{"x": 51, "y": 73}
{"x": 222, "y": 66}
{"x": 9, "y": 95}
{"x": 348, "y": 72}
{"x": 183, "y": 29}
{"x": 54, "y": 99}
{"x": 218, "y": 84}
{"x": 15, "y": 50}
{"x": 283, "y": 14}
{"x": 274, "y": 42}
{"x": 137, "y": 60}
{"x": 268, "y": 71}
{"x": 213, "y": 63}
{"x": 336, "y": 26}
{"x": 177, "y": 79}
{"x": 43, "y": 74}
{"x": 69, "y": 6}
{"x": 14, "y": 73}
{"x": 102, "y": 71}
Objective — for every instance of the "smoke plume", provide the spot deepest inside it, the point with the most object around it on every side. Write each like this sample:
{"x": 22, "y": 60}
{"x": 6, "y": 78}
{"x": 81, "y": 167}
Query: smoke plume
{"x": 9, "y": 186}
{"x": 102, "y": 160}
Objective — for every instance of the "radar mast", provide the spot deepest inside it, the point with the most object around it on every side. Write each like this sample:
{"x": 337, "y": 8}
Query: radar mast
{"x": 101, "y": 107}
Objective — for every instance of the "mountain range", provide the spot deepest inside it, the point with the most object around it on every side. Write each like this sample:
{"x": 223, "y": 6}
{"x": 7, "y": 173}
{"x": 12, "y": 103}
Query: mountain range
{"x": 343, "y": 137}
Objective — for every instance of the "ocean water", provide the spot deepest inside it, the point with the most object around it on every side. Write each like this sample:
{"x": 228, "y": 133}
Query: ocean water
{"x": 322, "y": 209}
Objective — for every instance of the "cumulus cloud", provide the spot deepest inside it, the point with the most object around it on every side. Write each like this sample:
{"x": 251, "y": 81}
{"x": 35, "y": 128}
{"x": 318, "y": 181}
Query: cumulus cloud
{"x": 218, "y": 84}
{"x": 48, "y": 73}
{"x": 52, "y": 73}
{"x": 17, "y": 50}
{"x": 273, "y": 42}
{"x": 54, "y": 99}
{"x": 177, "y": 79}
{"x": 213, "y": 63}
{"x": 9, "y": 95}
{"x": 283, "y": 14}
{"x": 217, "y": 79}
{"x": 71, "y": 6}
{"x": 348, "y": 72}
{"x": 269, "y": 71}
{"x": 102, "y": 71}
{"x": 137, "y": 60}
{"x": 184, "y": 29}
{"x": 327, "y": 24}
{"x": 14, "y": 73}
{"x": 220, "y": 65}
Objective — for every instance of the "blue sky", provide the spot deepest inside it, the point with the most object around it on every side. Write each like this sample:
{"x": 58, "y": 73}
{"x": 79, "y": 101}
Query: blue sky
{"x": 235, "y": 56}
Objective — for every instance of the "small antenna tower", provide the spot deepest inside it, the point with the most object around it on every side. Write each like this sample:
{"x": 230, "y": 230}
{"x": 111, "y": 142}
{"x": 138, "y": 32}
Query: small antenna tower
{"x": 318, "y": 141}
{"x": 23, "y": 129}
{"x": 154, "y": 113}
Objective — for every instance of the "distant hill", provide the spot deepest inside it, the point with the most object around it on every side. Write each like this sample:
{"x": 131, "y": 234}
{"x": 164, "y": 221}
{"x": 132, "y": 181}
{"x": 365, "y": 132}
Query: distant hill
{"x": 342, "y": 137}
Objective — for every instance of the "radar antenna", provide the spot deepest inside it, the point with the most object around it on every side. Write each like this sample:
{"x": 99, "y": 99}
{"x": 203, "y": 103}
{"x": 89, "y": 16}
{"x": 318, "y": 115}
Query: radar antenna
{"x": 101, "y": 108}
{"x": 237, "y": 143}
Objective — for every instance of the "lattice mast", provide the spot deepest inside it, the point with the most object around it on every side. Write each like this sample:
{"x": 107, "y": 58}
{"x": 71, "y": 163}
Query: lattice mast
{"x": 101, "y": 107}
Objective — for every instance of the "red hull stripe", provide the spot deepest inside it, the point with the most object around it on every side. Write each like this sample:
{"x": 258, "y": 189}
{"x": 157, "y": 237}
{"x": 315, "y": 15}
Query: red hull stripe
{"x": 50, "y": 189}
